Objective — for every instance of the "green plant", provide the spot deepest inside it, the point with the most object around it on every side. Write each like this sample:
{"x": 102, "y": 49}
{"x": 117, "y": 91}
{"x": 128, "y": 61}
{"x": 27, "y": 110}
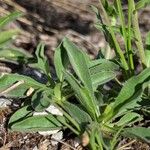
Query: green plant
{"x": 81, "y": 88}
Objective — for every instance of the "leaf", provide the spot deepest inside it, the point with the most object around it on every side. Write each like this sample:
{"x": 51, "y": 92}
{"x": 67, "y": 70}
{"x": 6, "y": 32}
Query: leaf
{"x": 9, "y": 18}
{"x": 102, "y": 27}
{"x": 130, "y": 104}
{"x": 138, "y": 132}
{"x": 141, "y": 4}
{"x": 75, "y": 112}
{"x": 20, "y": 114}
{"x": 40, "y": 100}
{"x": 102, "y": 78}
{"x": 98, "y": 65}
{"x": 83, "y": 95}
{"x": 130, "y": 92}
{"x": 102, "y": 71}
{"x": 5, "y": 36}
{"x": 42, "y": 62}
{"x": 60, "y": 61}
{"x": 130, "y": 86}
{"x": 128, "y": 118}
{"x": 37, "y": 123}
{"x": 96, "y": 11}
{"x": 19, "y": 92}
{"x": 14, "y": 55}
{"x": 78, "y": 62}
{"x": 10, "y": 83}
{"x": 8, "y": 79}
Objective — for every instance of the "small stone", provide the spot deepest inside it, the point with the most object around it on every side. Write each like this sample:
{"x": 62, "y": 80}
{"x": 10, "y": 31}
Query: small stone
{"x": 4, "y": 102}
{"x": 50, "y": 132}
{"x": 77, "y": 142}
{"x": 56, "y": 137}
{"x": 53, "y": 110}
{"x": 39, "y": 113}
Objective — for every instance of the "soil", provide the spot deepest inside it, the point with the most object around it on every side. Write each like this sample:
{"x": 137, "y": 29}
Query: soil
{"x": 49, "y": 21}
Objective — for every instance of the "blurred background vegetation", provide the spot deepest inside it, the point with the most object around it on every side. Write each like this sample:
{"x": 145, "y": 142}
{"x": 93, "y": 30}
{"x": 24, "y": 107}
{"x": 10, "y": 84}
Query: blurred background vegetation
{"x": 50, "y": 20}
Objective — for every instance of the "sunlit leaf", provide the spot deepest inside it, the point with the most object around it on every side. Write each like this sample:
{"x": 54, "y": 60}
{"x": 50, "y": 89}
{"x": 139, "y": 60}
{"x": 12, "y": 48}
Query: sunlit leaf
{"x": 5, "y": 36}
{"x": 37, "y": 123}
{"x": 138, "y": 132}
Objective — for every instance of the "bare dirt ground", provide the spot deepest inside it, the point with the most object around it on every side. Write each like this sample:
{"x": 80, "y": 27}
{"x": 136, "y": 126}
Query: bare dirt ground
{"x": 49, "y": 21}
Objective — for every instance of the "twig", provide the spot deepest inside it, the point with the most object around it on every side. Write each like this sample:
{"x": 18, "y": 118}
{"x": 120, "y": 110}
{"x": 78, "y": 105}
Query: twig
{"x": 125, "y": 145}
{"x": 64, "y": 143}
{"x": 11, "y": 87}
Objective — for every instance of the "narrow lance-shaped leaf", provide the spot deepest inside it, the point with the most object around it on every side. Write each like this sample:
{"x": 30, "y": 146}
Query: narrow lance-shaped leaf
{"x": 14, "y": 55}
{"x": 15, "y": 85}
{"x": 23, "y": 112}
{"x": 102, "y": 78}
{"x": 8, "y": 79}
{"x": 75, "y": 111}
{"x": 128, "y": 118}
{"x": 129, "y": 87}
{"x": 5, "y": 36}
{"x": 127, "y": 94}
{"x": 138, "y": 132}
{"x": 141, "y": 4}
{"x": 78, "y": 62}
{"x": 82, "y": 95}
{"x": 60, "y": 61}
{"x": 37, "y": 123}
{"x": 8, "y": 18}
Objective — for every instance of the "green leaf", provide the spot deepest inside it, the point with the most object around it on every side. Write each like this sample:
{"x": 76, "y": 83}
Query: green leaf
{"x": 78, "y": 62}
{"x": 130, "y": 104}
{"x": 40, "y": 100}
{"x": 19, "y": 92}
{"x": 37, "y": 123}
{"x": 83, "y": 96}
{"x": 60, "y": 61}
{"x": 20, "y": 114}
{"x": 141, "y": 4}
{"x": 138, "y": 132}
{"x": 98, "y": 65}
{"x": 42, "y": 61}
{"x": 75, "y": 112}
{"x": 130, "y": 86}
{"x": 102, "y": 78}
{"x": 5, "y": 36}
{"x": 14, "y": 55}
{"x": 102, "y": 71}
{"x": 131, "y": 91}
{"x": 96, "y": 11}
{"x": 10, "y": 81}
{"x": 102, "y": 27}
{"x": 9, "y": 18}
{"x": 128, "y": 118}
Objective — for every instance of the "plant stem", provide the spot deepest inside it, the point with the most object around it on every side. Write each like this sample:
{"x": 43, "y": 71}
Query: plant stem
{"x": 122, "y": 20}
{"x": 72, "y": 120}
{"x": 127, "y": 37}
{"x": 137, "y": 34}
{"x": 117, "y": 46}
{"x": 129, "y": 46}
{"x": 99, "y": 141}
